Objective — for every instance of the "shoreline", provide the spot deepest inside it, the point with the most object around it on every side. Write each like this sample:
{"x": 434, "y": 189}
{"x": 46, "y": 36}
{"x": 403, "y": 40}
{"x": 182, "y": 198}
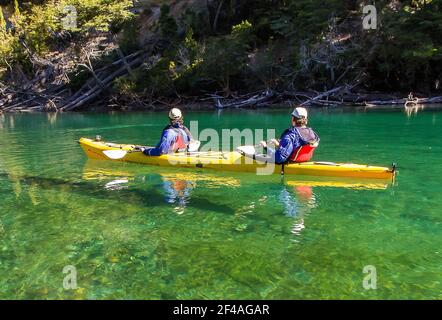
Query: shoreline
{"x": 210, "y": 106}
{"x": 336, "y": 98}
{"x": 207, "y": 108}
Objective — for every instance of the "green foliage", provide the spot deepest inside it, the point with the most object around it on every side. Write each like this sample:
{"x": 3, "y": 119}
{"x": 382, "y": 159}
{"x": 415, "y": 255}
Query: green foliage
{"x": 192, "y": 65}
{"x": 227, "y": 56}
{"x": 167, "y": 24}
{"x": 101, "y": 14}
{"x": 2, "y": 22}
{"x": 16, "y": 8}
{"x": 37, "y": 27}
{"x": 410, "y": 55}
{"x": 78, "y": 78}
{"x": 41, "y": 24}
{"x": 189, "y": 57}
{"x": 125, "y": 86}
{"x": 158, "y": 80}
{"x": 251, "y": 44}
{"x": 197, "y": 22}
{"x": 6, "y": 49}
{"x": 128, "y": 39}
{"x": 265, "y": 66}
{"x": 241, "y": 30}
{"x": 151, "y": 81}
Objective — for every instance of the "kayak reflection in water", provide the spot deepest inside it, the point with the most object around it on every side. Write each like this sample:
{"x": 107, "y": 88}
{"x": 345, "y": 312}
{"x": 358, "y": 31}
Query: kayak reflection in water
{"x": 177, "y": 192}
{"x": 297, "y": 202}
{"x": 175, "y": 136}
{"x": 297, "y": 144}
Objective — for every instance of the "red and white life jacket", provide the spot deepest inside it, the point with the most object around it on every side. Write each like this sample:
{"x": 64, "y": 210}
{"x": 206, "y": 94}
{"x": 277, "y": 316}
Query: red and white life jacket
{"x": 305, "y": 152}
{"x": 180, "y": 141}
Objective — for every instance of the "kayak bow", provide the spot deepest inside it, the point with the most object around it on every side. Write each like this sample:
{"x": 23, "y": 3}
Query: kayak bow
{"x": 231, "y": 161}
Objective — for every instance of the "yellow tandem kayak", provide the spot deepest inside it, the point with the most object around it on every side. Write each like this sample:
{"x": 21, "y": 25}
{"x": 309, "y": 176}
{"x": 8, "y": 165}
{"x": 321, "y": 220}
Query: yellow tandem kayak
{"x": 233, "y": 161}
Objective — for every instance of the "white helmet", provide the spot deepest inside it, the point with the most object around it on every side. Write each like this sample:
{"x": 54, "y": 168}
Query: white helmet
{"x": 175, "y": 114}
{"x": 300, "y": 113}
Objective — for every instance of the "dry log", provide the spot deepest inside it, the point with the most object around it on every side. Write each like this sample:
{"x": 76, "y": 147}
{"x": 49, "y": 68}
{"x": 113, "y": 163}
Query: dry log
{"x": 252, "y": 101}
{"x": 17, "y": 105}
{"x": 429, "y": 100}
{"x": 374, "y": 103}
{"x": 97, "y": 90}
{"x": 42, "y": 93}
{"x": 101, "y": 73}
{"x": 385, "y": 102}
{"x": 324, "y": 94}
{"x": 119, "y": 61}
{"x": 124, "y": 60}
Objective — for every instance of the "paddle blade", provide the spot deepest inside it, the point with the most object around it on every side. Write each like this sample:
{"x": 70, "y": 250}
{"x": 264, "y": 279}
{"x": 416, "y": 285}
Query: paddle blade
{"x": 115, "y": 154}
{"x": 194, "y": 145}
{"x": 246, "y": 149}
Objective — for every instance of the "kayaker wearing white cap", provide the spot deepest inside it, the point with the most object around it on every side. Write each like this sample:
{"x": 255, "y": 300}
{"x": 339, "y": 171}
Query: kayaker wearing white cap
{"x": 297, "y": 143}
{"x": 175, "y": 136}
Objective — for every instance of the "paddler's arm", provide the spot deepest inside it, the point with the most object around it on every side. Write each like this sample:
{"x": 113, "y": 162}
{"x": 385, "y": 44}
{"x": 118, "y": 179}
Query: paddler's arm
{"x": 167, "y": 140}
{"x": 267, "y": 148}
{"x": 189, "y": 135}
{"x": 275, "y": 142}
{"x": 283, "y": 153}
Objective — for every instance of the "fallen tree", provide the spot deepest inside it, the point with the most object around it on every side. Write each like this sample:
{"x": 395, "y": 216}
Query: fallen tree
{"x": 339, "y": 96}
{"x": 102, "y": 81}
{"x": 59, "y": 97}
{"x": 255, "y": 100}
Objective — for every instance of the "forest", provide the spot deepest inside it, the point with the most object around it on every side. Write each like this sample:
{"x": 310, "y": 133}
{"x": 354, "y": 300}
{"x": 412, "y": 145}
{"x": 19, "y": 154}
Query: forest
{"x": 68, "y": 55}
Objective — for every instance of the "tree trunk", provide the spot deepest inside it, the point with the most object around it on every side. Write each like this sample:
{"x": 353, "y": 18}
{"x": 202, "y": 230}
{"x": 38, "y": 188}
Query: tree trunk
{"x": 218, "y": 11}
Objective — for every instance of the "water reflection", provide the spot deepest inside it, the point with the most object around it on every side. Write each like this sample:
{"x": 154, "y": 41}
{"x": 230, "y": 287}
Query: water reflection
{"x": 6, "y": 121}
{"x": 247, "y": 204}
{"x": 2, "y": 120}
{"x": 176, "y": 187}
{"x": 345, "y": 183}
{"x": 118, "y": 184}
{"x": 52, "y": 117}
{"x": 177, "y": 192}
{"x": 298, "y": 201}
{"x": 295, "y": 196}
{"x": 413, "y": 109}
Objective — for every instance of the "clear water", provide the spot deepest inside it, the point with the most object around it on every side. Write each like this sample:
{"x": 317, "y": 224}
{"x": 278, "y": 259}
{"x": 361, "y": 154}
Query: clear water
{"x": 139, "y": 232}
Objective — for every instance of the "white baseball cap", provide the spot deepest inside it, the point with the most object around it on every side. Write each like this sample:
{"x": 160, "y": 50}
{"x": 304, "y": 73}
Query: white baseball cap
{"x": 300, "y": 113}
{"x": 175, "y": 113}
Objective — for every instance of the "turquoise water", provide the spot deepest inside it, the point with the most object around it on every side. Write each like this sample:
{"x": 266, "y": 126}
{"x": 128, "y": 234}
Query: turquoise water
{"x": 140, "y": 232}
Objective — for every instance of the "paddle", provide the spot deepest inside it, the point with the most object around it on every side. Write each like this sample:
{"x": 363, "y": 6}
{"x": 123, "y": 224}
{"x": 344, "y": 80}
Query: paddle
{"x": 194, "y": 145}
{"x": 115, "y": 154}
{"x": 247, "y": 149}
{"x": 250, "y": 150}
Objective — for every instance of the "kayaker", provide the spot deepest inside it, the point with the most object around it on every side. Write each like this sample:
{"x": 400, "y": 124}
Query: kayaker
{"x": 297, "y": 143}
{"x": 175, "y": 136}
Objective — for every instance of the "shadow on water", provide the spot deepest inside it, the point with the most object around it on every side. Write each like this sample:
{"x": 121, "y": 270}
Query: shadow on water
{"x": 150, "y": 197}
{"x": 158, "y": 187}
